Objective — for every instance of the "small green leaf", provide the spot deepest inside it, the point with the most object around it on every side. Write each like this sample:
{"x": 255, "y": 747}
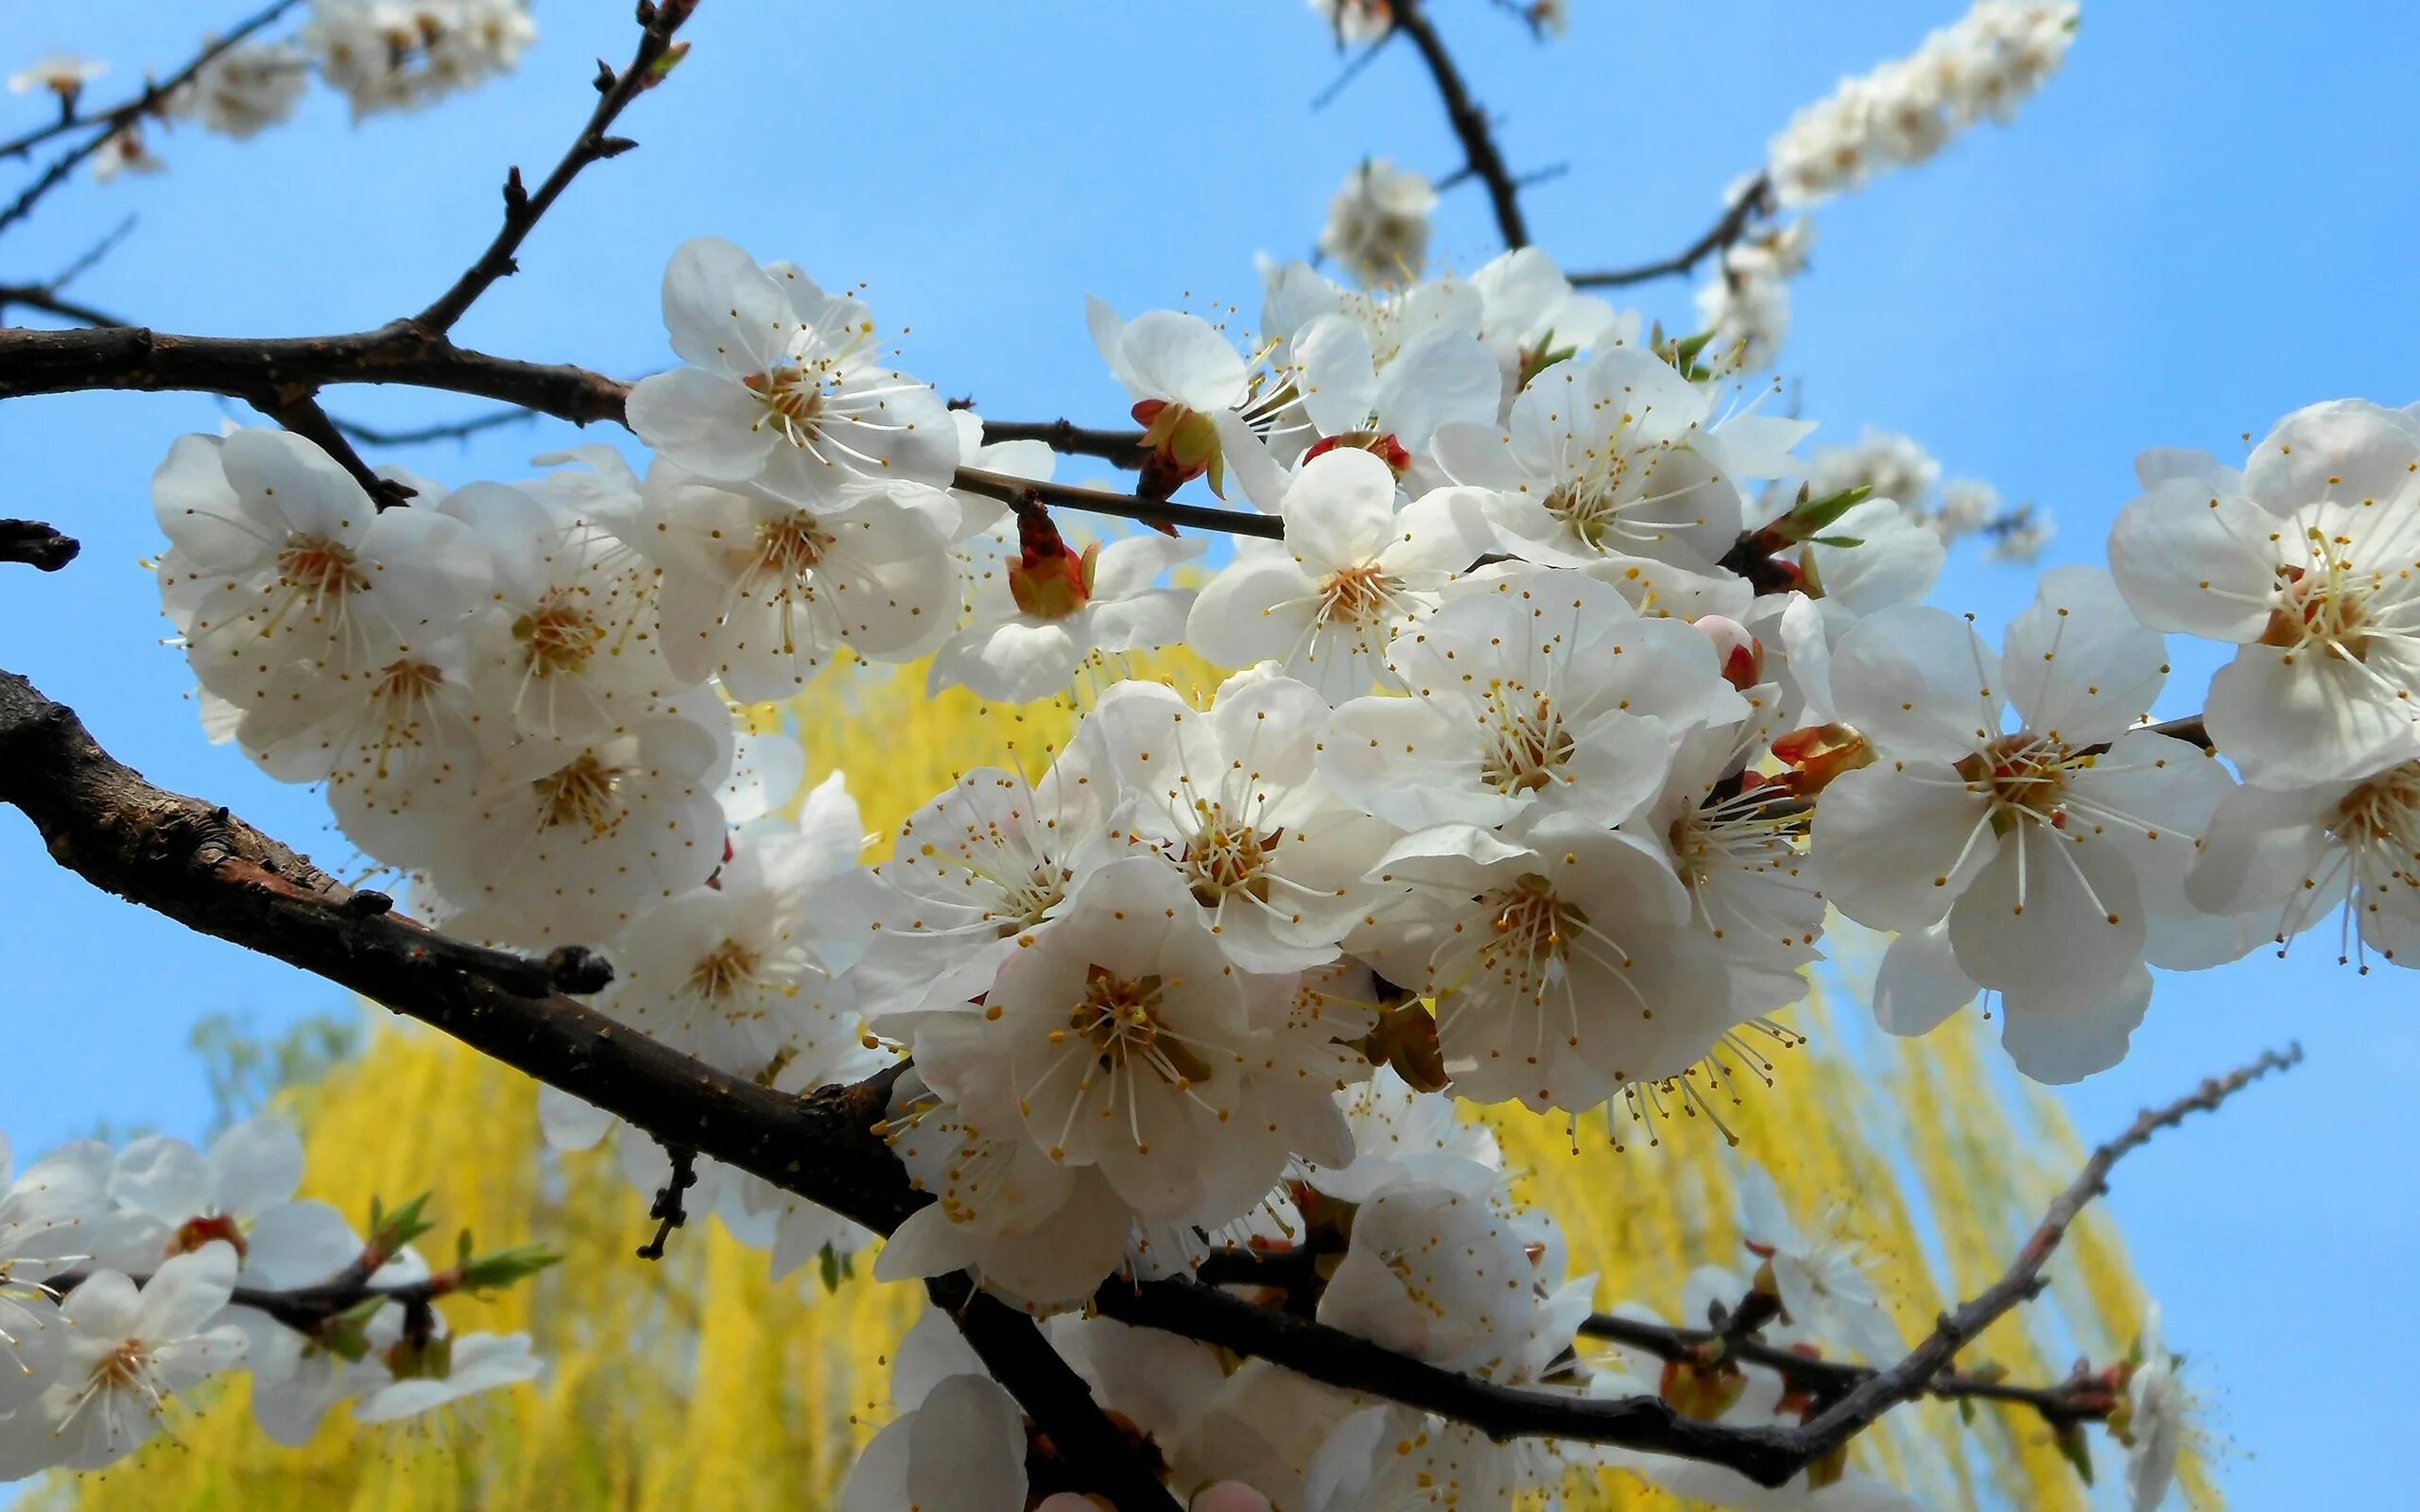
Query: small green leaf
{"x": 507, "y": 1267}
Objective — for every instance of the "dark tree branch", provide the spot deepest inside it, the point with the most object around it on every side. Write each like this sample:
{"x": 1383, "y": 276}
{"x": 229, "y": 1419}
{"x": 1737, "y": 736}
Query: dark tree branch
{"x": 1469, "y": 121}
{"x": 1766, "y": 1455}
{"x": 1119, "y": 448}
{"x": 1755, "y": 201}
{"x": 1123, "y": 505}
{"x": 110, "y": 123}
{"x": 37, "y": 546}
{"x": 55, "y": 362}
{"x": 1096, "y": 1456}
{"x": 524, "y": 207}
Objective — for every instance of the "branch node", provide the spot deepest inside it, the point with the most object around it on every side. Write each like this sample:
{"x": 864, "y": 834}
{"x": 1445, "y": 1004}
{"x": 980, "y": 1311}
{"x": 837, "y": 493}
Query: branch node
{"x": 366, "y": 903}
{"x": 614, "y": 146}
{"x": 577, "y": 971}
{"x": 668, "y": 1210}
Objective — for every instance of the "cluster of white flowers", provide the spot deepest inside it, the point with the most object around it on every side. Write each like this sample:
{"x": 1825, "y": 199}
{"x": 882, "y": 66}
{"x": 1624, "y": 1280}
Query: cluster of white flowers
{"x": 1891, "y": 466}
{"x": 1985, "y": 66}
{"x": 382, "y": 55}
{"x": 1566, "y": 702}
{"x": 129, "y": 1278}
{"x": 1377, "y": 224}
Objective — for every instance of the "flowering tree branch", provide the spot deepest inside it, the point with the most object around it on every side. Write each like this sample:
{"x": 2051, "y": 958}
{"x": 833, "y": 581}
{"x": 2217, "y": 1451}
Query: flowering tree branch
{"x": 1479, "y": 152}
{"x": 1755, "y": 200}
{"x": 108, "y": 122}
{"x": 522, "y": 208}
{"x": 1119, "y": 448}
{"x": 199, "y": 864}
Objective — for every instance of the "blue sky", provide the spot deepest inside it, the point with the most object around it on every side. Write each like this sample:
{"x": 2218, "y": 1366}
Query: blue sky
{"x": 2203, "y": 223}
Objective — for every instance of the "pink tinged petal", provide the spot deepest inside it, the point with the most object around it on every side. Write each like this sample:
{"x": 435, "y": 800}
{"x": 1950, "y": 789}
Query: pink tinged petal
{"x": 703, "y": 422}
{"x": 1340, "y": 510}
{"x": 256, "y": 1165}
{"x": 2345, "y": 449}
{"x": 1896, "y": 848}
{"x": 2192, "y": 560}
{"x": 1920, "y": 986}
{"x": 2060, "y": 1038}
{"x": 2291, "y": 717}
{"x": 1919, "y": 683}
{"x": 1182, "y": 358}
{"x": 2050, "y": 914}
{"x": 2079, "y": 666}
{"x": 722, "y": 311}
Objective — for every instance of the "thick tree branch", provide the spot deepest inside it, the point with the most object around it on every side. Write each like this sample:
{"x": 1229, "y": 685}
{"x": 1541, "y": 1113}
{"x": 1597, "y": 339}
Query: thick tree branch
{"x": 1753, "y": 201}
{"x": 108, "y": 122}
{"x": 1469, "y": 121}
{"x": 36, "y": 544}
{"x": 524, "y": 207}
{"x": 1098, "y": 1457}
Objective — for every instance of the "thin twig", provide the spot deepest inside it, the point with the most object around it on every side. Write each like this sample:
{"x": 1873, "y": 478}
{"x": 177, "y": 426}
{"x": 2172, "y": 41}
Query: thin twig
{"x": 297, "y": 408}
{"x": 1352, "y": 70}
{"x": 522, "y": 208}
{"x": 1837, "y": 1424}
{"x": 1753, "y": 201}
{"x": 1469, "y": 122}
{"x": 45, "y": 298}
{"x": 1119, "y": 448}
{"x": 445, "y": 431}
{"x": 670, "y": 1210}
{"x": 1012, "y": 490}
{"x": 111, "y": 122}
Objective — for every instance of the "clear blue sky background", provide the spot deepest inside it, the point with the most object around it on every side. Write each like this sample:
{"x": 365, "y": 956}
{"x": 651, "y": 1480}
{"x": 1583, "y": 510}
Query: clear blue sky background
{"x": 2204, "y": 222}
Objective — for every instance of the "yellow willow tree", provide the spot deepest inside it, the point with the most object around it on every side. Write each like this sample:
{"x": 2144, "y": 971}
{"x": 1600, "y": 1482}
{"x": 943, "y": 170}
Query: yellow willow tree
{"x": 697, "y": 1382}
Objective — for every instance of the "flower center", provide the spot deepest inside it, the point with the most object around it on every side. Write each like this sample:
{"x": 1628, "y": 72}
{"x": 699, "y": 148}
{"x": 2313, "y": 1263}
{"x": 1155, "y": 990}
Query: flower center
{"x": 2027, "y": 778}
{"x": 580, "y": 794}
{"x": 723, "y": 970}
{"x": 559, "y": 635}
{"x": 1121, "y": 1019}
{"x": 793, "y": 399}
{"x": 1226, "y": 857}
{"x": 2383, "y": 815}
{"x": 2323, "y": 603}
{"x": 1354, "y": 594}
{"x": 123, "y": 1367}
{"x": 1532, "y": 924}
{"x": 323, "y": 570}
{"x": 1526, "y": 741}
{"x": 788, "y": 550}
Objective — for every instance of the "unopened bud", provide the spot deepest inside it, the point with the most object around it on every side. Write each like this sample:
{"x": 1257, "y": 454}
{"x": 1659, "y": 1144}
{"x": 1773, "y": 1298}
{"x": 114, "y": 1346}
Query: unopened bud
{"x": 1742, "y": 653}
{"x": 1704, "y": 1392}
{"x": 1183, "y": 445}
